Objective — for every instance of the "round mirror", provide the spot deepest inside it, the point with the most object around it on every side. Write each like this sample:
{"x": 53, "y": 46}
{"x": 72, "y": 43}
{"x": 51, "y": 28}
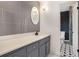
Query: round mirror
{"x": 35, "y": 15}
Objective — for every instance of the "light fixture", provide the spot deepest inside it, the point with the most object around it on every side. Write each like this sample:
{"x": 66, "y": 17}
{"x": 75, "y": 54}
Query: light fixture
{"x": 44, "y": 8}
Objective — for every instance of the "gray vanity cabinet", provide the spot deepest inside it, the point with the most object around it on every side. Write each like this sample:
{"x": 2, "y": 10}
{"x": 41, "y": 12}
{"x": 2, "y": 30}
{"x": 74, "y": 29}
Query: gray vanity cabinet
{"x": 44, "y": 47}
{"x": 32, "y": 50}
{"x": 39, "y": 48}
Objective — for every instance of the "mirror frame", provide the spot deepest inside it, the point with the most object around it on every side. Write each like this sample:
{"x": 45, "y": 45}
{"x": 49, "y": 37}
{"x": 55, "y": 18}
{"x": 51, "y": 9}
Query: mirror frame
{"x": 35, "y": 15}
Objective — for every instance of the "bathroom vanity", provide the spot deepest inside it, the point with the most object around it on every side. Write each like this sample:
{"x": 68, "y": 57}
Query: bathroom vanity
{"x": 26, "y": 46}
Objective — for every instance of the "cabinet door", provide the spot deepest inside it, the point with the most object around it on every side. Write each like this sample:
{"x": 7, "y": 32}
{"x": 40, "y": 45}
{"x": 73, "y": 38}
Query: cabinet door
{"x": 33, "y": 53}
{"x": 17, "y": 53}
{"x": 47, "y": 48}
{"x": 42, "y": 50}
{"x": 32, "y": 50}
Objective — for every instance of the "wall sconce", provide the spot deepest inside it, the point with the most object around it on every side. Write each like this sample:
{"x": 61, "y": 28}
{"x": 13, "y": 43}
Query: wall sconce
{"x": 44, "y": 8}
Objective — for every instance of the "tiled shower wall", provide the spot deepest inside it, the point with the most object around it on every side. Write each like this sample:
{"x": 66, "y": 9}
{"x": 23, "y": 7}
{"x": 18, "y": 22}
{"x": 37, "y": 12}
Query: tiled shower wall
{"x": 15, "y": 17}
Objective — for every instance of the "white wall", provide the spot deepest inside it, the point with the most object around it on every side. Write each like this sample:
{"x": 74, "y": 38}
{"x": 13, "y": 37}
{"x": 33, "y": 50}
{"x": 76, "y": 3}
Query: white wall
{"x": 75, "y": 28}
{"x": 50, "y": 22}
{"x": 65, "y": 5}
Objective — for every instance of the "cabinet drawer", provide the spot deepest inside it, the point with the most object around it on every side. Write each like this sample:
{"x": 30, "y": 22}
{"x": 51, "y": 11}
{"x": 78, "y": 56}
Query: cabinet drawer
{"x": 32, "y": 47}
{"x": 21, "y": 52}
{"x": 43, "y": 41}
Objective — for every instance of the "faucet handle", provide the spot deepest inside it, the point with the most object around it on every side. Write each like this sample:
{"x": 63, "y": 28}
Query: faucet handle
{"x": 36, "y": 33}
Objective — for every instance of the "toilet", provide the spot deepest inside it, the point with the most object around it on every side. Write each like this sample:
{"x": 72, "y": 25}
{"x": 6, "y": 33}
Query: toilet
{"x": 62, "y": 37}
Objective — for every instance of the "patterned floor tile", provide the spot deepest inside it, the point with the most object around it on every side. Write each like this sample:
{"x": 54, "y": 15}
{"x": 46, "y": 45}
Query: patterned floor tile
{"x": 66, "y": 50}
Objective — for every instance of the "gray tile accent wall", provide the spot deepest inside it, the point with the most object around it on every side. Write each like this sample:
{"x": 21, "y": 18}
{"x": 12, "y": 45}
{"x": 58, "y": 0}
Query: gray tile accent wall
{"x": 15, "y": 17}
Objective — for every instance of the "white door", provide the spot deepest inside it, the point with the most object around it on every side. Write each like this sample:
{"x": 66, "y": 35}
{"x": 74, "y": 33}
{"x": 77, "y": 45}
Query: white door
{"x": 75, "y": 28}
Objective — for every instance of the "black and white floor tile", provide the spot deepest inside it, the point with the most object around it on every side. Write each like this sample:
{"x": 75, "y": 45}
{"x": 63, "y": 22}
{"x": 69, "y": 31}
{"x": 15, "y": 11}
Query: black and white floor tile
{"x": 66, "y": 50}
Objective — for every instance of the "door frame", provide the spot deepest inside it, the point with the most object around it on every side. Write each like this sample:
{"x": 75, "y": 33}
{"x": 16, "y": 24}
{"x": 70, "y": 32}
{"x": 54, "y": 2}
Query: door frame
{"x": 70, "y": 26}
{"x": 78, "y": 29}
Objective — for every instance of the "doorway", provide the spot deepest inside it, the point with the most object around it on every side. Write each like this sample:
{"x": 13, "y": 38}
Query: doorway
{"x": 65, "y": 24}
{"x": 66, "y": 33}
{"x": 73, "y": 45}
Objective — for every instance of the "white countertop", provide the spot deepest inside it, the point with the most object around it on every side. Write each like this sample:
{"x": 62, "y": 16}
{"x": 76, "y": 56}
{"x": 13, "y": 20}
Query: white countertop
{"x": 12, "y": 42}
